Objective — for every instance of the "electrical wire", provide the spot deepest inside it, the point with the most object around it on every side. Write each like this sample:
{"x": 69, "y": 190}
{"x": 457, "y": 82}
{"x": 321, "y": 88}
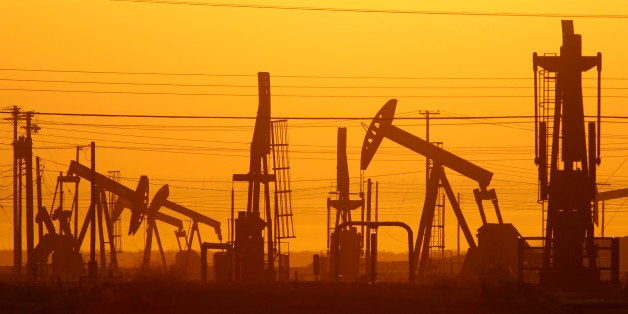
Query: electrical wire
{"x": 384, "y": 11}
{"x": 277, "y": 95}
{"x": 302, "y": 76}
{"x": 285, "y": 86}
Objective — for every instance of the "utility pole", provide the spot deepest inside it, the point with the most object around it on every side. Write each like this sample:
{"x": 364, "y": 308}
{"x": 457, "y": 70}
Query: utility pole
{"x": 603, "y": 218}
{"x": 376, "y": 202}
{"x": 28, "y": 154}
{"x": 52, "y": 210}
{"x": 17, "y": 229}
{"x": 92, "y": 266}
{"x": 439, "y": 239}
{"x": 20, "y": 203}
{"x": 602, "y": 227}
{"x": 39, "y": 197}
{"x": 232, "y": 234}
{"x": 458, "y": 238}
{"x": 427, "y": 115}
{"x": 76, "y": 198}
{"x": 367, "y": 255}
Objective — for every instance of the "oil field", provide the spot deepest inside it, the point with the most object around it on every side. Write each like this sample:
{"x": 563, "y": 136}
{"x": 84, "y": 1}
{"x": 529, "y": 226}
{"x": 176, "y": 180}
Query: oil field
{"x": 395, "y": 158}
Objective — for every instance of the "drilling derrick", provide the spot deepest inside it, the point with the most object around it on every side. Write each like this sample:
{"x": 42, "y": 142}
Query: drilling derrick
{"x": 567, "y": 186}
{"x": 349, "y": 239}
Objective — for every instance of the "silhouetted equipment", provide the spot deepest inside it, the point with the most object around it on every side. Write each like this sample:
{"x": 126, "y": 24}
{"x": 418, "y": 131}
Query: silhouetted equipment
{"x": 611, "y": 194}
{"x": 28, "y": 161}
{"x": 350, "y": 240}
{"x": 101, "y": 184}
{"x": 372, "y": 224}
{"x": 439, "y": 264}
{"x": 316, "y": 266}
{"x": 23, "y": 161}
{"x": 249, "y": 225}
{"x": 570, "y": 254}
{"x": 222, "y": 261}
{"x": 370, "y": 238}
{"x": 188, "y": 256}
{"x": 603, "y": 197}
{"x": 249, "y": 242}
{"x": 42, "y": 218}
{"x": 381, "y": 127}
{"x": 137, "y": 202}
{"x": 66, "y": 264}
{"x": 437, "y": 238}
{"x": 284, "y": 225}
{"x": 17, "y": 188}
{"x": 112, "y": 200}
{"x": 96, "y": 214}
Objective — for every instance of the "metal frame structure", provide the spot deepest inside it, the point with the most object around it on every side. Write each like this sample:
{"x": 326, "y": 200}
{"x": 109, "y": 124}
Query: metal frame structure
{"x": 249, "y": 226}
{"x": 568, "y": 185}
{"x": 348, "y": 238}
{"x": 373, "y": 224}
{"x": 137, "y": 202}
{"x": 381, "y": 127}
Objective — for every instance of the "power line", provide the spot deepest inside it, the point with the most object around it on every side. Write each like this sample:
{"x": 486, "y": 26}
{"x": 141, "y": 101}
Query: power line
{"x": 282, "y": 86}
{"x": 148, "y": 136}
{"x": 123, "y": 72}
{"x": 384, "y": 11}
{"x": 114, "y": 115}
{"x": 256, "y": 95}
{"x": 151, "y": 127}
{"x": 124, "y": 92}
{"x": 111, "y": 115}
{"x": 125, "y": 83}
{"x": 255, "y": 86}
{"x": 274, "y": 86}
{"x": 82, "y": 71}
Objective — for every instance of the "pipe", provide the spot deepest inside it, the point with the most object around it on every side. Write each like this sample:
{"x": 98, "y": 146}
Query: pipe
{"x": 216, "y": 246}
{"x": 373, "y": 224}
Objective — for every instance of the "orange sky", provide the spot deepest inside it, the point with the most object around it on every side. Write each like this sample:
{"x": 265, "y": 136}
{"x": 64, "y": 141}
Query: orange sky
{"x": 198, "y": 157}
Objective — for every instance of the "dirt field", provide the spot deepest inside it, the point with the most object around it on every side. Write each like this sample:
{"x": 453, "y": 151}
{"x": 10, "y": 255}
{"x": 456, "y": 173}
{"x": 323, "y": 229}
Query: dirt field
{"x": 166, "y": 296}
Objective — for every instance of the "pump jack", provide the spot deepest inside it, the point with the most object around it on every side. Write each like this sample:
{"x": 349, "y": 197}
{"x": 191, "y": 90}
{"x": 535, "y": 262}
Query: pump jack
{"x": 348, "y": 237}
{"x": 137, "y": 202}
{"x": 153, "y": 215}
{"x": 66, "y": 263}
{"x": 381, "y": 127}
{"x": 570, "y": 251}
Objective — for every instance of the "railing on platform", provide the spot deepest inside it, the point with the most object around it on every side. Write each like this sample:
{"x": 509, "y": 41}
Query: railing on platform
{"x": 531, "y": 250}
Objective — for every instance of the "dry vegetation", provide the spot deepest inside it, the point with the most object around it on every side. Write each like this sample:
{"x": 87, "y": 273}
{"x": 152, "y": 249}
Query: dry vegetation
{"x": 157, "y": 295}
{"x": 162, "y": 294}
{"x": 165, "y": 292}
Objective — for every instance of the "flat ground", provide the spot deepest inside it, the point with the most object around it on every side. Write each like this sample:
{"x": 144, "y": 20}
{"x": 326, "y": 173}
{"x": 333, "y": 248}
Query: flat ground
{"x": 167, "y": 296}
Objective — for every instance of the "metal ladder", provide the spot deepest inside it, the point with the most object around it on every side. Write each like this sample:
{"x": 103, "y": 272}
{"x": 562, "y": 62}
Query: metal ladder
{"x": 547, "y": 92}
{"x": 284, "y": 225}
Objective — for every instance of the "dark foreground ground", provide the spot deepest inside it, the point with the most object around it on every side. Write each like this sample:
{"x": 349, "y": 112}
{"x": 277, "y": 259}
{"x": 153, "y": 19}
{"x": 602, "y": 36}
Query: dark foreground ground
{"x": 164, "y": 296}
